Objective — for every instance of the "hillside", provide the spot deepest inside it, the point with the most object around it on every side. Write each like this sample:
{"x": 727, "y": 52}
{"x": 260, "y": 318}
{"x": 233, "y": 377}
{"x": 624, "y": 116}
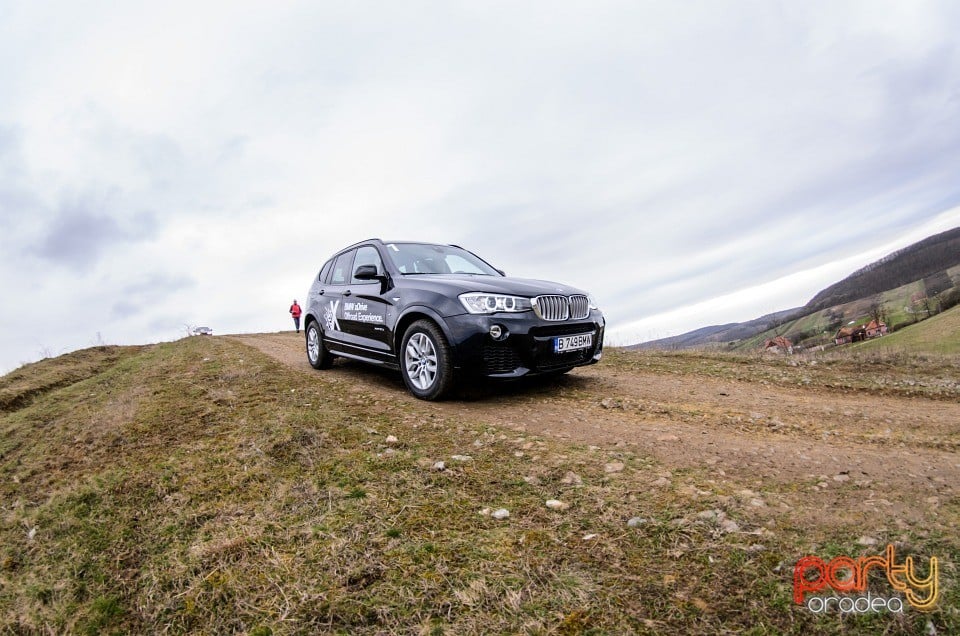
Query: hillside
{"x": 216, "y": 485}
{"x": 921, "y": 260}
{"x": 721, "y": 334}
{"x": 929, "y": 268}
{"x": 938, "y": 335}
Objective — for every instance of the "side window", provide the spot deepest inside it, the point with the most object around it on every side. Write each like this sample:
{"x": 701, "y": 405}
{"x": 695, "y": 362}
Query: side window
{"x": 325, "y": 271}
{"x": 366, "y": 255}
{"x": 341, "y": 268}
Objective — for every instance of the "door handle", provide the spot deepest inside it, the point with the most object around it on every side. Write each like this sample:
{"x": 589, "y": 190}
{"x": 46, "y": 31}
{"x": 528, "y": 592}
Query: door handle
{"x": 347, "y": 293}
{"x": 321, "y": 291}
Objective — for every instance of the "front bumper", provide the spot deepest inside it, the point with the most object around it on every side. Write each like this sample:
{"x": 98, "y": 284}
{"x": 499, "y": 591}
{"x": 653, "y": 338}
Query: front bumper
{"x": 526, "y": 348}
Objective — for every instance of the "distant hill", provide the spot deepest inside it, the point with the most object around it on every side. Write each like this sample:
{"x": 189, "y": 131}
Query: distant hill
{"x": 928, "y": 268}
{"x": 921, "y": 260}
{"x": 721, "y": 334}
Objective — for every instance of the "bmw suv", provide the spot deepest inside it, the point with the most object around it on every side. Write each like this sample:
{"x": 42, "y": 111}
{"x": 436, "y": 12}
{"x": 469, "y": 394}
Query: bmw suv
{"x": 439, "y": 312}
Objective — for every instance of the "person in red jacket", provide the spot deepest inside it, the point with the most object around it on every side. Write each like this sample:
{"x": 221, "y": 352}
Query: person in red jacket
{"x": 295, "y": 312}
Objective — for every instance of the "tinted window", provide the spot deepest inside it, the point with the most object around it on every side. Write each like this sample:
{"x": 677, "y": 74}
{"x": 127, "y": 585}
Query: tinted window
{"x": 366, "y": 255}
{"x": 325, "y": 271}
{"x": 341, "y": 268}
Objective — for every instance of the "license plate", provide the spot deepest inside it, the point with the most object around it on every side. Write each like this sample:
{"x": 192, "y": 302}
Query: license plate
{"x": 562, "y": 344}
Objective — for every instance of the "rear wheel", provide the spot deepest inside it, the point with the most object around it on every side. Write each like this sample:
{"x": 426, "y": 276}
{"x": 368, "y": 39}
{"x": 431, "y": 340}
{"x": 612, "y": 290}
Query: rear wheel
{"x": 426, "y": 362}
{"x": 317, "y": 354}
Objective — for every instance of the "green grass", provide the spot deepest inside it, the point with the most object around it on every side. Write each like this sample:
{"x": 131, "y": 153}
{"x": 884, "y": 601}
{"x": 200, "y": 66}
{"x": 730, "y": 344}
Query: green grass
{"x": 200, "y": 487}
{"x": 938, "y": 335}
{"x": 895, "y": 303}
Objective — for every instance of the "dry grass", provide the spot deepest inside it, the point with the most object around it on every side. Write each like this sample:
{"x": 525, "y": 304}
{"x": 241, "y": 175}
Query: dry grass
{"x": 199, "y": 487}
{"x": 21, "y": 386}
{"x": 936, "y": 336}
{"x": 897, "y": 373}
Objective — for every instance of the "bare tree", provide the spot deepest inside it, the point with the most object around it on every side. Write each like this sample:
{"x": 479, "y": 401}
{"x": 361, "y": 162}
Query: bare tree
{"x": 877, "y": 310}
{"x": 921, "y": 303}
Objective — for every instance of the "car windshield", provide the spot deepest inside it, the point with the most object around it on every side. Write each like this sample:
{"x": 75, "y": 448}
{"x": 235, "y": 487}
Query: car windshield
{"x": 420, "y": 258}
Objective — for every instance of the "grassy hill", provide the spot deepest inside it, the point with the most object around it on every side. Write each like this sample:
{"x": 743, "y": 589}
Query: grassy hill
{"x": 199, "y": 486}
{"x": 717, "y": 336}
{"x": 939, "y": 335}
{"x": 919, "y": 261}
{"x": 928, "y": 268}
{"x": 819, "y": 327}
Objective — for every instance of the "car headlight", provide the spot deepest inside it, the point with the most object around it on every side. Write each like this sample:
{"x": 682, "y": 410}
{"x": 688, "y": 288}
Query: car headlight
{"x": 592, "y": 301}
{"x": 483, "y": 303}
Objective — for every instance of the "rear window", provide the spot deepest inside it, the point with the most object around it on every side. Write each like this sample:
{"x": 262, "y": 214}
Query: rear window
{"x": 325, "y": 271}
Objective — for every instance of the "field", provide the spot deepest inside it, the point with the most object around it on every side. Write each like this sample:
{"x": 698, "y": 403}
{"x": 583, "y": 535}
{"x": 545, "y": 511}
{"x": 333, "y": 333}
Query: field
{"x": 219, "y": 484}
{"x": 939, "y": 335}
{"x": 813, "y": 329}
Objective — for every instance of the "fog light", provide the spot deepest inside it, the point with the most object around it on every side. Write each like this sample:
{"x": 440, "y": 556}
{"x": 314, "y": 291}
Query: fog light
{"x": 496, "y": 331}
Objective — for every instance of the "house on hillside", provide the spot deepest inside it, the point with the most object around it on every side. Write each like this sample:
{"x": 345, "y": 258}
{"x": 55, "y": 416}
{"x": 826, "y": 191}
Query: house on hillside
{"x": 849, "y": 334}
{"x": 778, "y": 345}
{"x": 846, "y": 335}
{"x": 875, "y": 329}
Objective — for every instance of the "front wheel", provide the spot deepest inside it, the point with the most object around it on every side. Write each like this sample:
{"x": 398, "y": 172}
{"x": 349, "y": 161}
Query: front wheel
{"x": 425, "y": 361}
{"x": 317, "y": 354}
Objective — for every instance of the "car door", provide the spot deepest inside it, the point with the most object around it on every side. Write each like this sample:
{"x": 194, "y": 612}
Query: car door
{"x": 364, "y": 308}
{"x": 318, "y": 290}
{"x": 330, "y": 302}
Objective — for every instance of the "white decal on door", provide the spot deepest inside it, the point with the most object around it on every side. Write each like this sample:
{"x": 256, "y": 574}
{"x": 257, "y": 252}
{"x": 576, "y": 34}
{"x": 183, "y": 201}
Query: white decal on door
{"x": 330, "y": 316}
{"x": 360, "y": 312}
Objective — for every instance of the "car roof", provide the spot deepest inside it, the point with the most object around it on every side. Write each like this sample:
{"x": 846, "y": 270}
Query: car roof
{"x": 383, "y": 242}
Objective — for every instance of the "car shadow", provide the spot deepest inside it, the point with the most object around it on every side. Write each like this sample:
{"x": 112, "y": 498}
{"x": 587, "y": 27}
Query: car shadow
{"x": 468, "y": 389}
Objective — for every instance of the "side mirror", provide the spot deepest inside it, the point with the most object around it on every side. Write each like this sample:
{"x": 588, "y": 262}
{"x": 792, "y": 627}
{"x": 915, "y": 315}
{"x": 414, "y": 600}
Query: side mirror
{"x": 367, "y": 272}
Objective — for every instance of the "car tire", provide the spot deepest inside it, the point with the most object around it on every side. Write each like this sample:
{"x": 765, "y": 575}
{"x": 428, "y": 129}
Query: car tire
{"x": 426, "y": 362}
{"x": 317, "y": 354}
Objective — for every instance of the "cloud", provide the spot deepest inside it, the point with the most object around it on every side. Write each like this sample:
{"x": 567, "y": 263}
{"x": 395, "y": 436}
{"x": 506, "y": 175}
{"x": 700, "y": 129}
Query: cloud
{"x": 9, "y": 147}
{"x": 658, "y": 158}
{"x": 79, "y": 235}
{"x": 148, "y": 293}
{"x": 125, "y": 309}
{"x": 15, "y": 201}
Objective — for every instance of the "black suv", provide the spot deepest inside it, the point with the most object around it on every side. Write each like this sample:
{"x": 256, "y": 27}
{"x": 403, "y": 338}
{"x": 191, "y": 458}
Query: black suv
{"x": 436, "y": 311}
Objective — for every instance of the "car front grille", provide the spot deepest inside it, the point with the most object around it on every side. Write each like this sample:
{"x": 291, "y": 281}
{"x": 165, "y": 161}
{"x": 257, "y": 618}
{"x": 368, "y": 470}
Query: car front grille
{"x": 579, "y": 307}
{"x": 556, "y": 308}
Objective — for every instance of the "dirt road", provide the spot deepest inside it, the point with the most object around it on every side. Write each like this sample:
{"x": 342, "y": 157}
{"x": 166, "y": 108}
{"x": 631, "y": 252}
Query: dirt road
{"x": 885, "y": 457}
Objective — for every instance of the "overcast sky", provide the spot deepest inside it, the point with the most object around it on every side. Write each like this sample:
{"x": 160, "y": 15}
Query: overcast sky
{"x": 164, "y": 164}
